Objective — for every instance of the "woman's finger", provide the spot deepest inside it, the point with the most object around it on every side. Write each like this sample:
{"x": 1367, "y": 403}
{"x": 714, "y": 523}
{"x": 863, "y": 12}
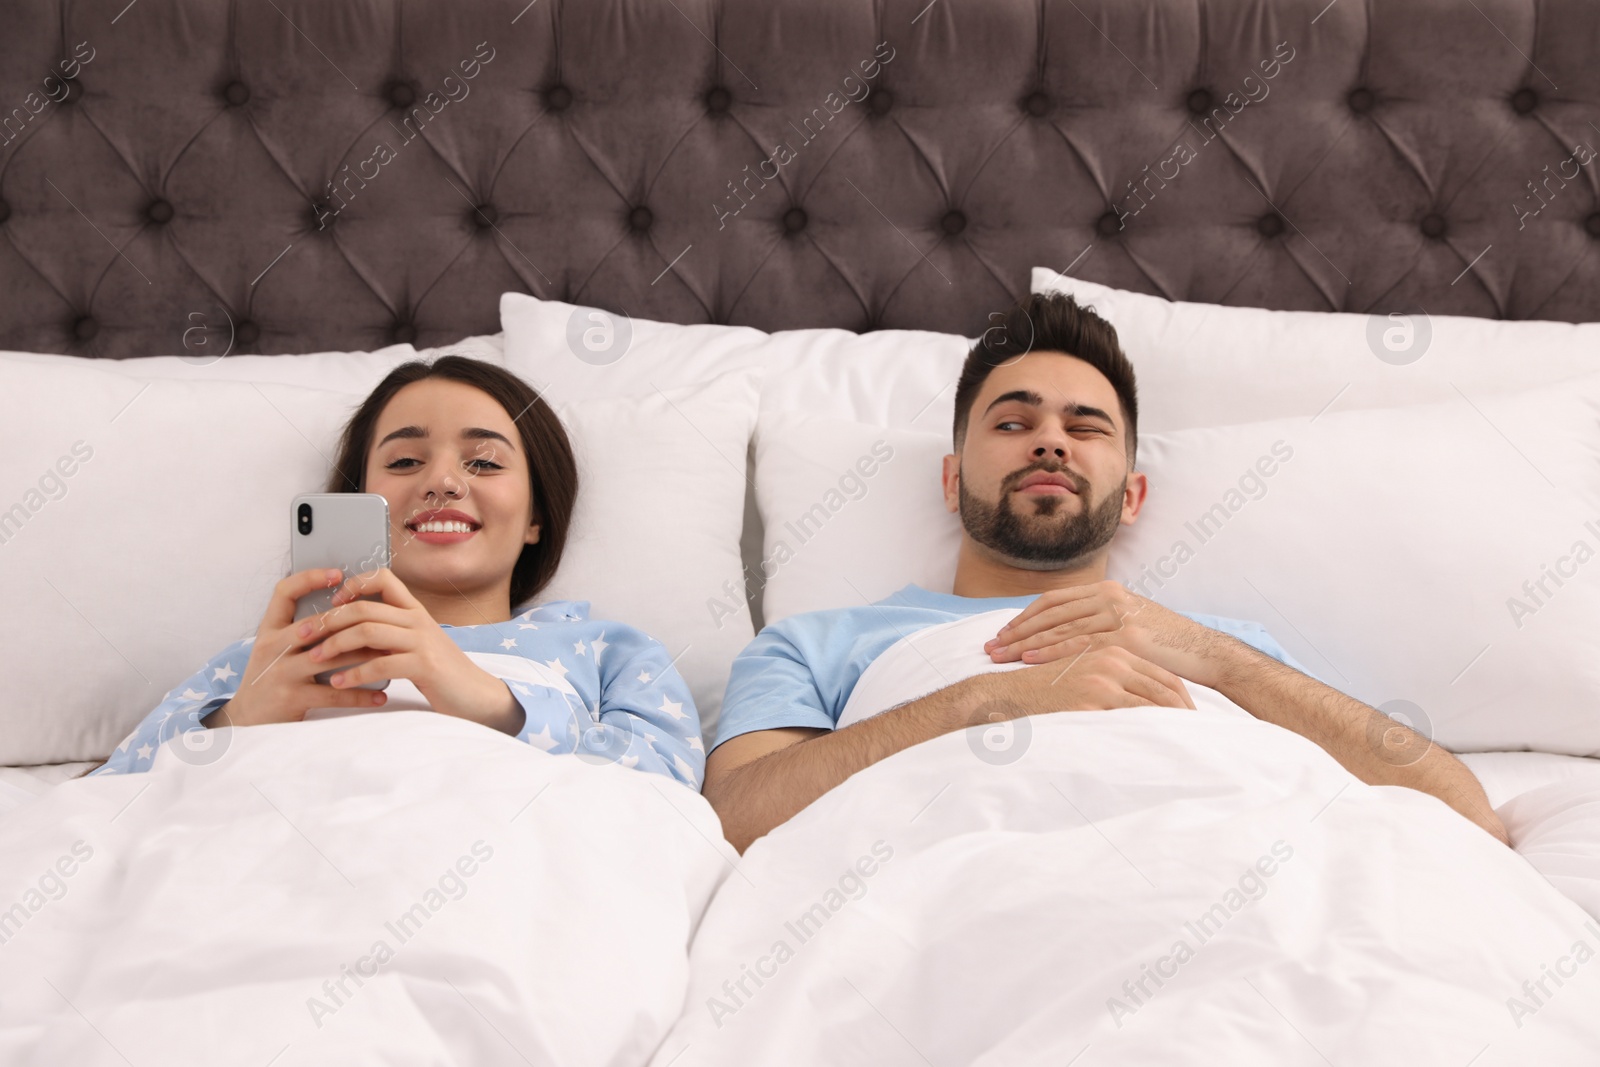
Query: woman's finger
{"x": 381, "y": 669}
{"x": 342, "y": 616}
{"x": 280, "y": 609}
{"x": 303, "y": 667}
{"x": 377, "y": 636}
{"x": 325, "y": 696}
{"x": 381, "y": 582}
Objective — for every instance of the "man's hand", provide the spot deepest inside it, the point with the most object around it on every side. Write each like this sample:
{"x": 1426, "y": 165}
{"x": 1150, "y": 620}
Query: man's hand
{"x": 1063, "y": 623}
{"x": 1098, "y": 679}
{"x": 758, "y": 780}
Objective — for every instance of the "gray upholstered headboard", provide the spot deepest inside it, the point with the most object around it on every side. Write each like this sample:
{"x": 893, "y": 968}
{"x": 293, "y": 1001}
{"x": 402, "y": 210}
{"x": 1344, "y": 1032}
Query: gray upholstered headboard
{"x": 339, "y": 174}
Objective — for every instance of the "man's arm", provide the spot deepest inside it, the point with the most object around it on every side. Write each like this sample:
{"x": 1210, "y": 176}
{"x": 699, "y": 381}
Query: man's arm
{"x": 761, "y": 779}
{"x": 1366, "y": 742}
{"x": 757, "y": 780}
{"x": 1063, "y": 623}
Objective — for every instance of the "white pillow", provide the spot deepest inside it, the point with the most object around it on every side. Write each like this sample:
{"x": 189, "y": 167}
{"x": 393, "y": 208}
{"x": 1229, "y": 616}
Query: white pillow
{"x": 1384, "y": 552}
{"x": 347, "y": 372}
{"x": 850, "y": 512}
{"x": 129, "y": 562}
{"x": 655, "y": 540}
{"x": 890, "y": 377}
{"x": 1207, "y": 364}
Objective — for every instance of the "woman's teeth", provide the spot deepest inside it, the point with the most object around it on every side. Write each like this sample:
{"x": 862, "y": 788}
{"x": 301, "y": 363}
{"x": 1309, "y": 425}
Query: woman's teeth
{"x": 442, "y": 527}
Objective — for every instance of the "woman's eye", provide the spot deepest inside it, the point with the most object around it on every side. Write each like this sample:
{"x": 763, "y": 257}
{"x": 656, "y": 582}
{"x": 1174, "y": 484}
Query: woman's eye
{"x": 489, "y": 464}
{"x": 394, "y": 464}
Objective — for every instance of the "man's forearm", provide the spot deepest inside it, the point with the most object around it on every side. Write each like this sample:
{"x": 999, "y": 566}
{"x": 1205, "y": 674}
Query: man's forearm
{"x": 764, "y": 793}
{"x": 1367, "y": 743}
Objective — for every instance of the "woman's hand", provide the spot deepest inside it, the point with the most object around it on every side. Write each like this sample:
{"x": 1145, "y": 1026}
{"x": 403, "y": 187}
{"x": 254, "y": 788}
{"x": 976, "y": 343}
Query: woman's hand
{"x": 399, "y": 639}
{"x": 279, "y": 683}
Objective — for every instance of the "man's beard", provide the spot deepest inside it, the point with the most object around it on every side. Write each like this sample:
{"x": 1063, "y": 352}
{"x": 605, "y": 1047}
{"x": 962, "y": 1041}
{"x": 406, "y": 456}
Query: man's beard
{"x": 1047, "y": 541}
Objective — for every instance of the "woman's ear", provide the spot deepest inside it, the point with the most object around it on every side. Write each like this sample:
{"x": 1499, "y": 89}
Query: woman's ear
{"x": 531, "y": 537}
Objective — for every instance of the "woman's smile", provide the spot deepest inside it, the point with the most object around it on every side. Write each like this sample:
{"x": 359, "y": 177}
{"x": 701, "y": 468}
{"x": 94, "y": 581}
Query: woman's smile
{"x": 443, "y": 526}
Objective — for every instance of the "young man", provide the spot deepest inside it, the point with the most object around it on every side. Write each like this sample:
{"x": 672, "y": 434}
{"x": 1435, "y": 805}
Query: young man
{"x": 1042, "y": 475}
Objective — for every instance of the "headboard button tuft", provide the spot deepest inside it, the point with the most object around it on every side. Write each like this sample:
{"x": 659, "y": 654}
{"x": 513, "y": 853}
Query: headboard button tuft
{"x": 1433, "y": 225}
{"x": 1524, "y": 100}
{"x": 159, "y": 212}
{"x": 85, "y": 328}
{"x": 1199, "y": 101}
{"x": 237, "y": 94}
{"x": 794, "y": 220}
{"x": 558, "y": 98}
{"x": 1361, "y": 100}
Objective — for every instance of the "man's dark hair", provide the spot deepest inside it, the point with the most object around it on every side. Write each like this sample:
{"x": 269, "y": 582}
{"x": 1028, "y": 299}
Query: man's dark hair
{"x": 1049, "y": 322}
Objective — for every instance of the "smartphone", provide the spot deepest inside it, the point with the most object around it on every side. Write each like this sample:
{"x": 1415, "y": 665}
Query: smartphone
{"x": 348, "y": 531}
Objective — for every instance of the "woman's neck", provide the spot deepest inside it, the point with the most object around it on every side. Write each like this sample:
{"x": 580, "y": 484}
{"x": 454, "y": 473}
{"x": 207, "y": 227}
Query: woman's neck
{"x": 474, "y": 608}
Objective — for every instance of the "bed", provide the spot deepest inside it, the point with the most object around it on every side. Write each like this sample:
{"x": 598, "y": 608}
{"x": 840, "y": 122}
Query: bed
{"x": 763, "y": 236}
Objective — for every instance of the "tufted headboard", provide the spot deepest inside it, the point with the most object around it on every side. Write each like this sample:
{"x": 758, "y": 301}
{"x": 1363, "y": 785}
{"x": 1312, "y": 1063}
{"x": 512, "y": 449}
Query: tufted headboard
{"x": 309, "y": 175}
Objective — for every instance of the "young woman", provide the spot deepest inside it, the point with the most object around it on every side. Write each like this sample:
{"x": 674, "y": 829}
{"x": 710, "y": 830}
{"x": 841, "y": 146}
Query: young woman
{"x": 481, "y": 484}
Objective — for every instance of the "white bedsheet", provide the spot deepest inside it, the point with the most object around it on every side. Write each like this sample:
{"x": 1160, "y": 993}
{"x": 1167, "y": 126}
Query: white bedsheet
{"x": 529, "y": 906}
{"x": 1141, "y": 886}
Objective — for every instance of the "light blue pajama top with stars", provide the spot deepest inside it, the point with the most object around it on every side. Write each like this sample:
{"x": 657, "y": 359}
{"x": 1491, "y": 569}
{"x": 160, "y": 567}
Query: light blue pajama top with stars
{"x": 601, "y": 689}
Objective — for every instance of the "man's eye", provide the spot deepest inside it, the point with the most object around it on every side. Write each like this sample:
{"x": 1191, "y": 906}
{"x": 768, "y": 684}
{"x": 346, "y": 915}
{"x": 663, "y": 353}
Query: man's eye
{"x": 1091, "y": 429}
{"x": 1008, "y": 422}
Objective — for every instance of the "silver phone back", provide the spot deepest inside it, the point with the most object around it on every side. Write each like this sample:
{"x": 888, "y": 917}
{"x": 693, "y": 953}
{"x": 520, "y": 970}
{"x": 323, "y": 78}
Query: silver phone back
{"x": 350, "y": 532}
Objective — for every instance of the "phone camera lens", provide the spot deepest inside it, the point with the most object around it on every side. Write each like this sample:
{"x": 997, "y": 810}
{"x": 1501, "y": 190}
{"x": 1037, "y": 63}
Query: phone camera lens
{"x": 305, "y": 518}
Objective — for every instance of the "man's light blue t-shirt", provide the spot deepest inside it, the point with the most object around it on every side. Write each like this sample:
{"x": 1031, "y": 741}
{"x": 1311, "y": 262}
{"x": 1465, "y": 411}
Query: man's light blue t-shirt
{"x": 800, "y": 671}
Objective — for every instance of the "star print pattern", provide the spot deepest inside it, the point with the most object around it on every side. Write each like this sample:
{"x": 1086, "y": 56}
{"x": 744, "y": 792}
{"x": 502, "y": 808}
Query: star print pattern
{"x": 626, "y": 706}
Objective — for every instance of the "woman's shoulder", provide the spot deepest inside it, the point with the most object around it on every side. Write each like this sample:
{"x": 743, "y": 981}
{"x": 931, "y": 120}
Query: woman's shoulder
{"x": 576, "y": 614}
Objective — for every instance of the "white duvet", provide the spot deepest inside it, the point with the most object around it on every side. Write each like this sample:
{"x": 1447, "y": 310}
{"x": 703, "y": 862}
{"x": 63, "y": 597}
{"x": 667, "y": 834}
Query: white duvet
{"x": 389, "y": 889}
{"x": 1141, "y": 886}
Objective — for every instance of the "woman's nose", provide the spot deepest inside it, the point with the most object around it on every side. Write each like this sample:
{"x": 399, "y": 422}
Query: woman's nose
{"x": 446, "y": 485}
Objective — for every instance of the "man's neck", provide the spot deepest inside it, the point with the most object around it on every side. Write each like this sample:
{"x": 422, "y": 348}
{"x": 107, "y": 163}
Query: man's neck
{"x": 979, "y": 573}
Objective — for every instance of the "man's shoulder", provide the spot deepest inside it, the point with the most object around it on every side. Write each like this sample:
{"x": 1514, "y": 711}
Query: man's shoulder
{"x": 1227, "y": 624}
{"x": 1251, "y": 633}
{"x": 841, "y": 627}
